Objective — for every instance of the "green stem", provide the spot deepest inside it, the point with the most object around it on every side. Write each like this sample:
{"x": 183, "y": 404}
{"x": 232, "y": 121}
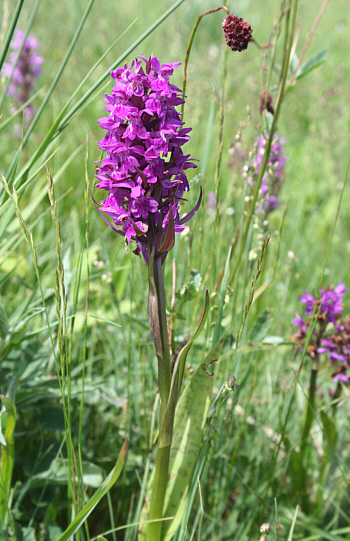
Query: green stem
{"x": 335, "y": 399}
{"x": 308, "y": 419}
{"x": 189, "y": 46}
{"x": 308, "y": 416}
{"x": 164, "y": 360}
{"x": 158, "y": 493}
{"x": 158, "y": 322}
{"x": 321, "y": 485}
{"x": 287, "y": 47}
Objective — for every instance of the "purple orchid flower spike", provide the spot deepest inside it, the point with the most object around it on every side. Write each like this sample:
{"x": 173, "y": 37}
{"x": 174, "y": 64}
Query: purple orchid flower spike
{"x": 331, "y": 334}
{"x": 23, "y": 71}
{"x": 337, "y": 347}
{"x": 144, "y": 171}
{"x": 272, "y": 180}
{"x": 144, "y": 175}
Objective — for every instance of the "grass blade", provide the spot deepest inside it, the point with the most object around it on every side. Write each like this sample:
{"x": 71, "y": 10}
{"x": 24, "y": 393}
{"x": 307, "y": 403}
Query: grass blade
{"x": 100, "y": 492}
{"x": 7, "y": 456}
{"x": 121, "y": 59}
{"x": 10, "y": 32}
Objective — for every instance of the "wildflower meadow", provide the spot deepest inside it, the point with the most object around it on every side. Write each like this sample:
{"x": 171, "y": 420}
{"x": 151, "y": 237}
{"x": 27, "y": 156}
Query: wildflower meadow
{"x": 174, "y": 270}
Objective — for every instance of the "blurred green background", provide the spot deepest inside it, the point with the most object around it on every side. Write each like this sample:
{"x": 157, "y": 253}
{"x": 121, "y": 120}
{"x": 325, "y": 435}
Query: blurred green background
{"x": 242, "y": 476}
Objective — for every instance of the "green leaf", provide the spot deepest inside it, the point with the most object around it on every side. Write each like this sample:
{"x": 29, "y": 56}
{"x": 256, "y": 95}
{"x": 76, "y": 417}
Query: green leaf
{"x": 100, "y": 492}
{"x": 290, "y": 535}
{"x": 192, "y": 408}
{"x": 294, "y": 62}
{"x": 4, "y": 327}
{"x": 7, "y": 456}
{"x": 196, "y": 279}
{"x": 268, "y": 119}
{"x": 28, "y": 534}
{"x": 316, "y": 60}
{"x": 179, "y": 367}
{"x": 295, "y": 469}
{"x": 10, "y": 32}
{"x": 191, "y": 288}
{"x": 190, "y": 417}
{"x": 330, "y": 435}
{"x": 261, "y": 326}
{"x": 58, "y": 474}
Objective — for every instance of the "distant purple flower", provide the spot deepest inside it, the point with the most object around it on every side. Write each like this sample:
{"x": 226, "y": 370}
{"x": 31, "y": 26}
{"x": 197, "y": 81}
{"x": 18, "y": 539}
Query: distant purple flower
{"x": 310, "y": 302}
{"x": 272, "y": 180}
{"x": 327, "y": 309}
{"x": 25, "y": 71}
{"x": 298, "y": 321}
{"x": 144, "y": 168}
{"x": 337, "y": 348}
{"x": 330, "y": 301}
{"x": 211, "y": 205}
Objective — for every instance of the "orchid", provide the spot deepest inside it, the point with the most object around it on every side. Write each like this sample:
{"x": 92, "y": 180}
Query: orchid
{"x": 144, "y": 170}
{"x": 24, "y": 71}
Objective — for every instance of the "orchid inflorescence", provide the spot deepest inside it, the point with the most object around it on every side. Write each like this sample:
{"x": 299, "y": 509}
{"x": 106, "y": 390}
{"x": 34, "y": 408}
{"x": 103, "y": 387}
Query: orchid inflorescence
{"x": 25, "y": 71}
{"x": 272, "y": 180}
{"x": 144, "y": 168}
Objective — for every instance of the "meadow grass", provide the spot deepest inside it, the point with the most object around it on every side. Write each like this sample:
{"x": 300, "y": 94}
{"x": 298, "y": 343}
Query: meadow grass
{"x": 77, "y": 357}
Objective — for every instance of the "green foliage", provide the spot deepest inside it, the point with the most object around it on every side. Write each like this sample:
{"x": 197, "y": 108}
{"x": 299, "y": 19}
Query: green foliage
{"x": 100, "y": 492}
{"x": 190, "y": 417}
{"x": 189, "y": 290}
{"x": 261, "y": 327}
{"x": 7, "y": 458}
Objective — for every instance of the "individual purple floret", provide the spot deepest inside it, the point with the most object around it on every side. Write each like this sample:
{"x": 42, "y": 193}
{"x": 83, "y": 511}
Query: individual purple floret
{"x": 143, "y": 171}
{"x": 27, "y": 69}
{"x": 272, "y": 180}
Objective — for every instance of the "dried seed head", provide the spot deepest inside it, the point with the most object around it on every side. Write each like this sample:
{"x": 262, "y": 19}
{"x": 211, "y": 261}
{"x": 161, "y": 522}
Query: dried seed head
{"x": 266, "y": 103}
{"x": 237, "y": 33}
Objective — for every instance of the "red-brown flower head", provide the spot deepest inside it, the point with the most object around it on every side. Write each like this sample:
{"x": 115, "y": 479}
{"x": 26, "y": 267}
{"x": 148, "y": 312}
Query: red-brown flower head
{"x": 237, "y": 33}
{"x": 266, "y": 103}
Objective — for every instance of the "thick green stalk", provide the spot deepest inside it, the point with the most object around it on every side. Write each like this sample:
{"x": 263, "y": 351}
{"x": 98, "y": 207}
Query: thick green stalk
{"x": 308, "y": 419}
{"x": 158, "y": 493}
{"x": 158, "y": 323}
{"x": 308, "y": 416}
{"x": 335, "y": 399}
{"x": 159, "y": 328}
